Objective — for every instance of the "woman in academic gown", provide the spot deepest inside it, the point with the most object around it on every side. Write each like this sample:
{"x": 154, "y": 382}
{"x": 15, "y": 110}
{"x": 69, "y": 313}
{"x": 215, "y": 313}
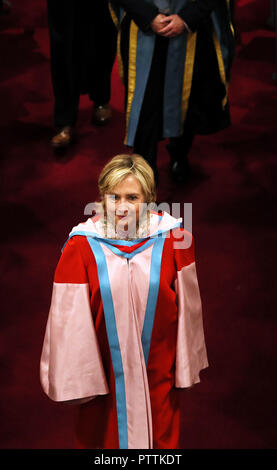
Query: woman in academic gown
{"x": 175, "y": 58}
{"x": 125, "y": 331}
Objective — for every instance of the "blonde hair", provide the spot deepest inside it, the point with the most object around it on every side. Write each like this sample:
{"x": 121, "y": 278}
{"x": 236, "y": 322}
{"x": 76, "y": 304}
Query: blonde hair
{"x": 119, "y": 167}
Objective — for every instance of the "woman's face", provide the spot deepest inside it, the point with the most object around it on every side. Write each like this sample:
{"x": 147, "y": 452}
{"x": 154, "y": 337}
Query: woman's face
{"x": 123, "y": 202}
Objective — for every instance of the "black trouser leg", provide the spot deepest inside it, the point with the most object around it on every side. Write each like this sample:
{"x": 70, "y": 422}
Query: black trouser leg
{"x": 62, "y": 20}
{"x": 83, "y": 49}
{"x": 180, "y": 146}
{"x": 102, "y": 42}
{"x": 149, "y": 128}
{"x": 178, "y": 149}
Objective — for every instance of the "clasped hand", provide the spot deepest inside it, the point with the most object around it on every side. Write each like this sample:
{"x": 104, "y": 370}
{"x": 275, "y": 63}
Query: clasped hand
{"x": 168, "y": 26}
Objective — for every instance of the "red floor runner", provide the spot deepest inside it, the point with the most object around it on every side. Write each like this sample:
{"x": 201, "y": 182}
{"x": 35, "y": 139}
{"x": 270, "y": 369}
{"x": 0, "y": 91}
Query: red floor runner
{"x": 233, "y": 192}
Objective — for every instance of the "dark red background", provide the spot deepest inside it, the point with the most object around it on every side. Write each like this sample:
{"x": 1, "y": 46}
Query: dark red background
{"x": 233, "y": 192}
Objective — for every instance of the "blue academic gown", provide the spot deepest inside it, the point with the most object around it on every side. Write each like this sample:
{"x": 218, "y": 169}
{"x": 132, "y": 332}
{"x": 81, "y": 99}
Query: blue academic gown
{"x": 180, "y": 63}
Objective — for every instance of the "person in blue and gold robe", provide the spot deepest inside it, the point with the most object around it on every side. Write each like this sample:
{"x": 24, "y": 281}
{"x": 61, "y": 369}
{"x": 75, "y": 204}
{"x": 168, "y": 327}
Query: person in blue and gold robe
{"x": 175, "y": 59}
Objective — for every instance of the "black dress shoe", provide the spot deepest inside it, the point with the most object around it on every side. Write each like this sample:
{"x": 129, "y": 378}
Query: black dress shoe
{"x": 180, "y": 171}
{"x": 101, "y": 114}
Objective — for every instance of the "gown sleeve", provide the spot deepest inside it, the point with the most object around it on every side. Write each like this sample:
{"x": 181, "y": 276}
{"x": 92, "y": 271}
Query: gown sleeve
{"x": 191, "y": 355}
{"x": 71, "y": 366}
{"x": 196, "y": 11}
{"x": 141, "y": 11}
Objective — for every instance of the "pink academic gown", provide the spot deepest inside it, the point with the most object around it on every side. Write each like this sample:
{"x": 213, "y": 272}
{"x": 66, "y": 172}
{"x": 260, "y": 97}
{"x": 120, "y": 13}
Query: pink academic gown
{"x": 125, "y": 334}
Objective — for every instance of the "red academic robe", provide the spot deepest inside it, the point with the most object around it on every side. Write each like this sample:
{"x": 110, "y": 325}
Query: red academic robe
{"x": 125, "y": 334}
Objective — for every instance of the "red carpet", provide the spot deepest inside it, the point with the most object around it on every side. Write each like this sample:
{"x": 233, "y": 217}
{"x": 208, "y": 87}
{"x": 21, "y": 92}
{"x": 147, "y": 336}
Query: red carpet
{"x": 233, "y": 192}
